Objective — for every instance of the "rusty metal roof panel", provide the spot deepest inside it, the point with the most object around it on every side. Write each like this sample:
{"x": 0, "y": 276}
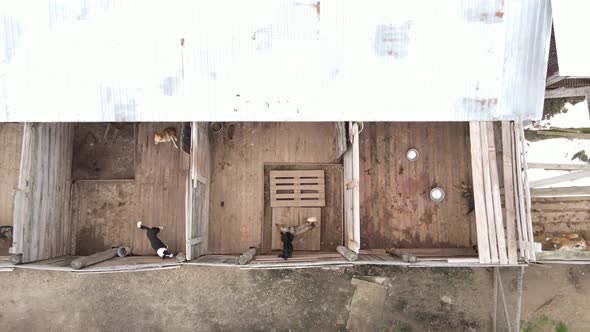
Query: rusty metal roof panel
{"x": 267, "y": 60}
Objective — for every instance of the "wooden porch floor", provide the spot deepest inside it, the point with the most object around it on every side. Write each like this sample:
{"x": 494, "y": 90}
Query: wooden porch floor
{"x": 396, "y": 210}
{"x": 105, "y": 212}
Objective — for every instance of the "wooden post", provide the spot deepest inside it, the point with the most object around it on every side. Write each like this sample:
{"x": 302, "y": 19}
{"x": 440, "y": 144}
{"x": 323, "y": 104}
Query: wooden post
{"x": 347, "y": 253}
{"x": 85, "y": 261}
{"x": 247, "y": 256}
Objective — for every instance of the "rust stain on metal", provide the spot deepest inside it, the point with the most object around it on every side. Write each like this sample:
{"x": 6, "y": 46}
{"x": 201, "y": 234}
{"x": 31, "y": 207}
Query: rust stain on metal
{"x": 317, "y": 9}
{"x": 499, "y": 14}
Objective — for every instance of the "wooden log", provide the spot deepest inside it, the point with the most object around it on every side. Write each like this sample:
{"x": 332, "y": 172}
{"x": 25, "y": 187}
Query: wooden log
{"x": 93, "y": 259}
{"x": 405, "y": 257}
{"x": 16, "y": 259}
{"x": 347, "y": 253}
{"x": 181, "y": 257}
{"x": 247, "y": 256}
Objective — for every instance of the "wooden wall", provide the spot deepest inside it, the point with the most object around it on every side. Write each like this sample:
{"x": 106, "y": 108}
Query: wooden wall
{"x": 239, "y": 152}
{"x": 561, "y": 214}
{"x": 198, "y": 223}
{"x": 11, "y": 140}
{"x": 106, "y": 212}
{"x": 396, "y": 210}
{"x": 42, "y": 219}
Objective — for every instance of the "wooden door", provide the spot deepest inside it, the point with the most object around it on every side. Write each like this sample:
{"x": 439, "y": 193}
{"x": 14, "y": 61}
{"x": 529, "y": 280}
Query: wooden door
{"x": 295, "y": 196}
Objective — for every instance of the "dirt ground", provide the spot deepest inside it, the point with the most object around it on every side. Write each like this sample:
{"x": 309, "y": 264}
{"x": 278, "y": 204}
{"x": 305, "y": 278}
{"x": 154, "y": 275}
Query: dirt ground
{"x": 228, "y": 299}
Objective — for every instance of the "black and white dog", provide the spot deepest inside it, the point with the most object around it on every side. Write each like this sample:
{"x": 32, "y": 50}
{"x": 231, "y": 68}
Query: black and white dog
{"x": 287, "y": 239}
{"x": 159, "y": 247}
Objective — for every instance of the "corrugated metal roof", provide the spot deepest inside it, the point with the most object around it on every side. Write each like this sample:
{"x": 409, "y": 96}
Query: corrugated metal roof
{"x": 272, "y": 60}
{"x": 570, "y": 21}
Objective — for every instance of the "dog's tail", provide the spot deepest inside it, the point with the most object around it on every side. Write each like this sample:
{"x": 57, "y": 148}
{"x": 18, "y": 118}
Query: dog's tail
{"x": 140, "y": 225}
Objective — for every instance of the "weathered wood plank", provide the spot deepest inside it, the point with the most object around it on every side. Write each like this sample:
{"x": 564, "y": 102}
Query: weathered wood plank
{"x": 567, "y": 92}
{"x": 572, "y": 176}
{"x": 483, "y": 242}
{"x": 494, "y": 252}
{"x": 556, "y": 192}
{"x": 563, "y": 256}
{"x": 496, "y": 202}
{"x": 42, "y": 204}
{"x": 509, "y": 197}
{"x": 559, "y": 167}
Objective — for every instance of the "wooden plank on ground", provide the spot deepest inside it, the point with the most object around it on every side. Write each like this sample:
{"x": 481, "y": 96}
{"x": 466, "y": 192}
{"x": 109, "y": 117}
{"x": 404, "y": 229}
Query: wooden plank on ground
{"x": 497, "y": 203}
{"x": 483, "y": 243}
{"x": 488, "y": 194}
{"x": 510, "y": 213}
{"x": 438, "y": 252}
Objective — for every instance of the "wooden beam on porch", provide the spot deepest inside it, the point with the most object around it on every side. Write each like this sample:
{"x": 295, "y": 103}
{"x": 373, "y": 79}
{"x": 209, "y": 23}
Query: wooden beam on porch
{"x": 555, "y": 78}
{"x": 556, "y": 192}
{"x": 560, "y": 178}
{"x": 567, "y": 92}
{"x": 559, "y": 167}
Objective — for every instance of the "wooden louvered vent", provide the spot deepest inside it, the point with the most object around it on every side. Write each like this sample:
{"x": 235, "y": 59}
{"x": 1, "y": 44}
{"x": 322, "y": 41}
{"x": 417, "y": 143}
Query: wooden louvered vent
{"x": 297, "y": 188}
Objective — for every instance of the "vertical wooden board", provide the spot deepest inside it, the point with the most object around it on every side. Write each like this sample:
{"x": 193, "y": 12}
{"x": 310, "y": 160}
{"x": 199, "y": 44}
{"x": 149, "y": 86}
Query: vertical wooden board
{"x": 527, "y": 192}
{"x": 495, "y": 188}
{"x": 356, "y": 213}
{"x": 348, "y": 208}
{"x": 43, "y": 188}
{"x": 11, "y": 137}
{"x": 508, "y": 169}
{"x": 488, "y": 194}
{"x": 483, "y": 243}
{"x": 519, "y": 183}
